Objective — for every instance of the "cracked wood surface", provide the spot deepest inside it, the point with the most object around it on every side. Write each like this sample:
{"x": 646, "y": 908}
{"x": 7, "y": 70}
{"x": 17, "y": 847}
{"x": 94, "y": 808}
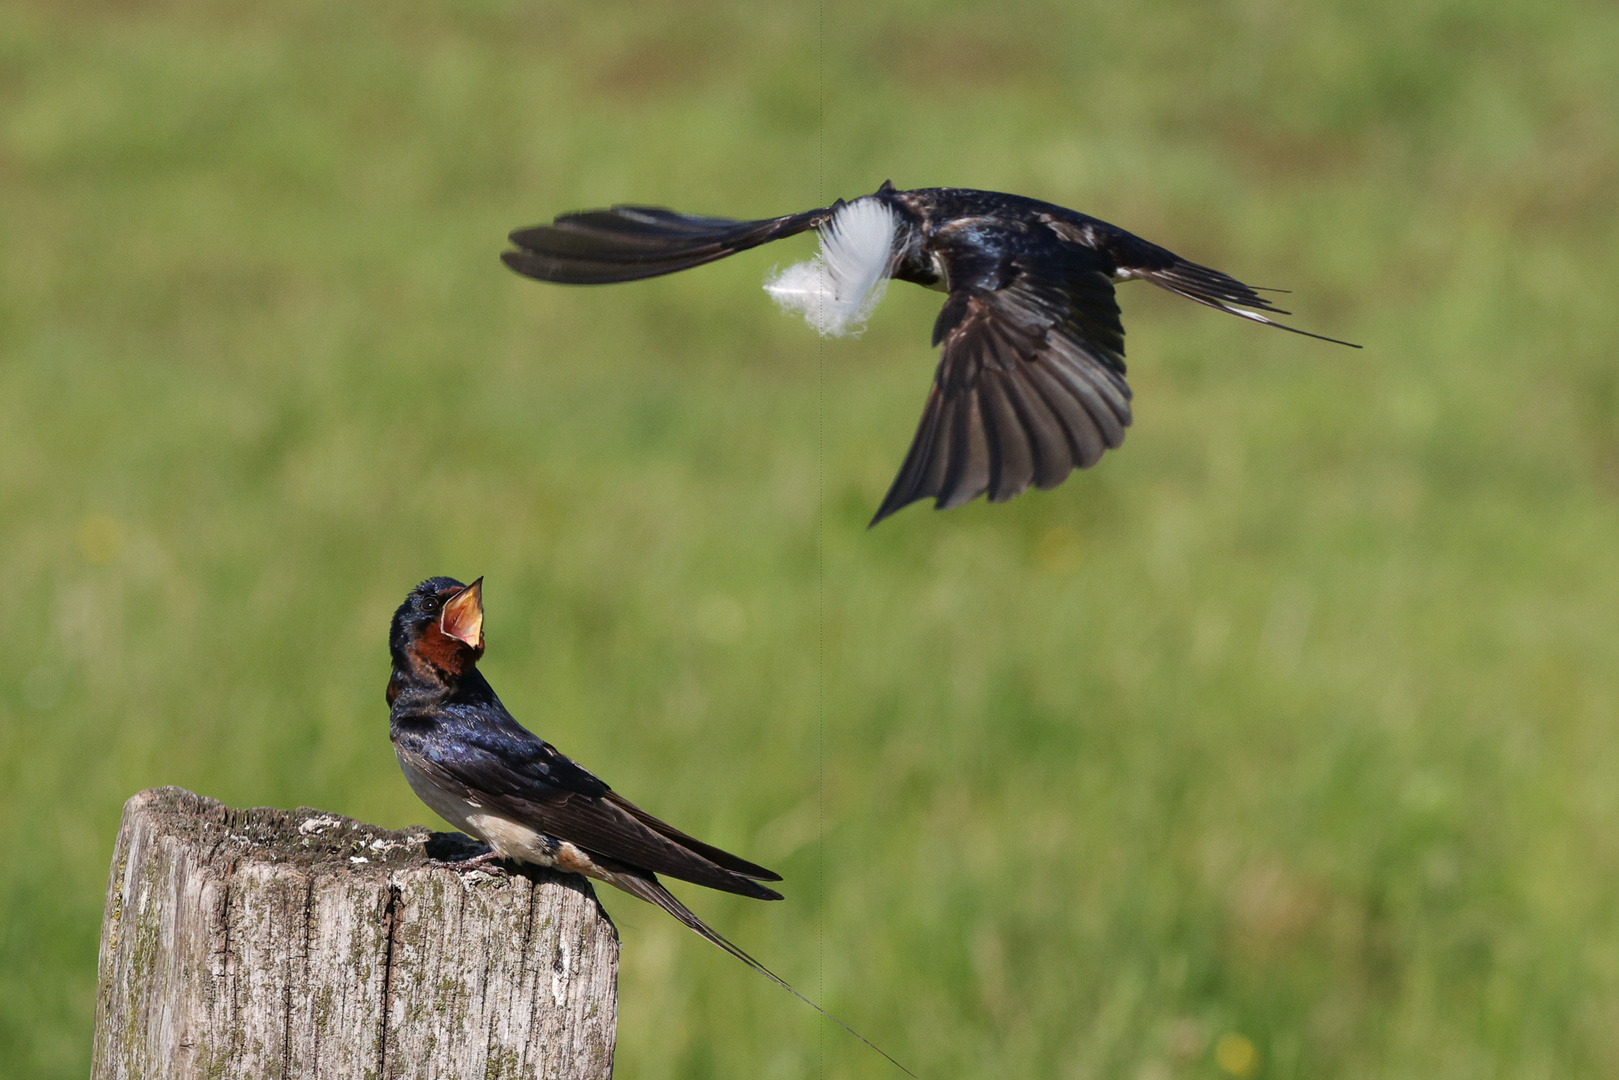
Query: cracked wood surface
{"x": 275, "y": 943}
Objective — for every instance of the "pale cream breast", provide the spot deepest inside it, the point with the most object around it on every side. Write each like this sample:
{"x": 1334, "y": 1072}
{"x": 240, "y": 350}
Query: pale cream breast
{"x": 512, "y": 839}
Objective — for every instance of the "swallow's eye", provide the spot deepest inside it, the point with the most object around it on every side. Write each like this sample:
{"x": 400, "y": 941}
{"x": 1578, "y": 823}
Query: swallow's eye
{"x": 429, "y": 603}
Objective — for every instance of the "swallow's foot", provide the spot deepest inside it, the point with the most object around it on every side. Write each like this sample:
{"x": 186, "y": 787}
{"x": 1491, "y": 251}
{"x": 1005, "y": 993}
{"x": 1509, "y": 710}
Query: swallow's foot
{"x": 485, "y": 862}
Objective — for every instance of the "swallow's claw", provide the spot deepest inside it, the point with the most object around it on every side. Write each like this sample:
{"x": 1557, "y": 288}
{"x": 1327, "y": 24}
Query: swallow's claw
{"x": 488, "y": 862}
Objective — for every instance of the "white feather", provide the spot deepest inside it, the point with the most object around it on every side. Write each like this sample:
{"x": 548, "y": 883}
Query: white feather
{"x": 837, "y": 290}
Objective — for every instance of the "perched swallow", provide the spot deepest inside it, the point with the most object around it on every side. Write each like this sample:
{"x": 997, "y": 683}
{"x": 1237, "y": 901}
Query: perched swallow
{"x": 1030, "y": 382}
{"x": 483, "y": 772}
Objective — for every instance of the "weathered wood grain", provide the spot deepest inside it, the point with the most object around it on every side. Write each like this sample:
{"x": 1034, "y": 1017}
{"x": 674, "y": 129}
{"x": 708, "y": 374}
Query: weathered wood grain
{"x": 272, "y": 943}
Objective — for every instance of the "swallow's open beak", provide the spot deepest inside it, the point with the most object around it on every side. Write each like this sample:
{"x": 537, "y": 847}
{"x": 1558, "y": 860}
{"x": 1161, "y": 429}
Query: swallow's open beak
{"x": 463, "y": 616}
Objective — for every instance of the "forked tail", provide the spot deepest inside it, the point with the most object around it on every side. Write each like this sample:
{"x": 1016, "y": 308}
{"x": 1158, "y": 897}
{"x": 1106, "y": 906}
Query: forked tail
{"x": 1223, "y": 293}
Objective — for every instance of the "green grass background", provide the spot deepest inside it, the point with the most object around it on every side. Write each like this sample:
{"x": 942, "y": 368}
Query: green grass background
{"x": 1290, "y": 728}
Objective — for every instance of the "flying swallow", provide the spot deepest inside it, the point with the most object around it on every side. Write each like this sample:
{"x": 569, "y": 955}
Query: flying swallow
{"x": 475, "y": 766}
{"x": 1030, "y": 381}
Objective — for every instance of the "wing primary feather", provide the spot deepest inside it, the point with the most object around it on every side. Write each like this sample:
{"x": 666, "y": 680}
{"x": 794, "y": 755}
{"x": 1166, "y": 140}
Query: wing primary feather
{"x": 968, "y": 476}
{"x": 604, "y": 825}
{"x": 1109, "y": 424}
{"x": 944, "y": 435}
{"x": 577, "y": 271}
{"x": 1012, "y": 458}
{"x": 1047, "y": 440}
{"x": 723, "y": 859}
{"x": 1085, "y": 441}
{"x": 909, "y": 483}
{"x": 626, "y": 243}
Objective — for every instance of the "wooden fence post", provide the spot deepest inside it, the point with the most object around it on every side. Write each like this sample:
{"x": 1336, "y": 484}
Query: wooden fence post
{"x": 298, "y": 944}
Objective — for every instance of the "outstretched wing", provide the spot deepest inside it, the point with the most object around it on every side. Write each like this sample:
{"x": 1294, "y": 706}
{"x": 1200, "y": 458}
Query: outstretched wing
{"x": 627, "y": 243}
{"x": 1030, "y": 383}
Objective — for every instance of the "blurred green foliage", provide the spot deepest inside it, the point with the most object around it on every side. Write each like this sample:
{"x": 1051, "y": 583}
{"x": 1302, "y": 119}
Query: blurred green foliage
{"x": 1282, "y": 744}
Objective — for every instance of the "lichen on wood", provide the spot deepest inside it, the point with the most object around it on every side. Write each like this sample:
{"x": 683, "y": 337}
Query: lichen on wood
{"x": 272, "y": 943}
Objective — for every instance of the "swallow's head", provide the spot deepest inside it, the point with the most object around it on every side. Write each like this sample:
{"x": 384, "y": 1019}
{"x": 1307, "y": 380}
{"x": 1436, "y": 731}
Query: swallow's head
{"x": 438, "y": 630}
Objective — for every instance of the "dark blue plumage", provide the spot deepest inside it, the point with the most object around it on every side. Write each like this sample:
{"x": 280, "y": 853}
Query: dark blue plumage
{"x": 1030, "y": 380}
{"x": 469, "y": 759}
